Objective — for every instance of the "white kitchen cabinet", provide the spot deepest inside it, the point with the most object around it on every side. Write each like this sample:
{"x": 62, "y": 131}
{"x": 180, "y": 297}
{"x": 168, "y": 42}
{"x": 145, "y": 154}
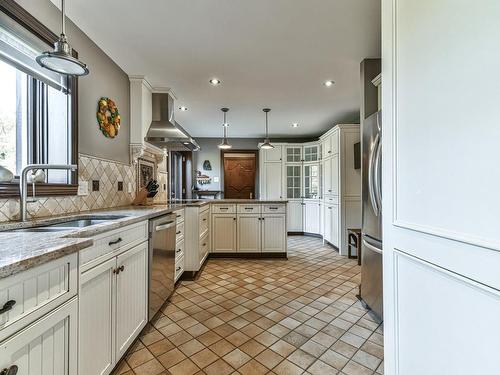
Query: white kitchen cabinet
{"x": 223, "y": 233}
{"x": 295, "y": 216}
{"x": 273, "y": 154}
{"x": 272, "y": 181}
{"x": 311, "y": 181}
{"x": 96, "y": 319}
{"x": 196, "y": 237}
{"x": 311, "y": 153}
{"x": 335, "y": 177}
{"x": 331, "y": 225}
{"x": 48, "y": 346}
{"x": 327, "y": 177}
{"x": 249, "y": 233}
{"x": 326, "y": 147}
{"x": 293, "y": 176}
{"x": 311, "y": 216}
{"x": 273, "y": 233}
{"x": 131, "y": 296}
{"x": 293, "y": 154}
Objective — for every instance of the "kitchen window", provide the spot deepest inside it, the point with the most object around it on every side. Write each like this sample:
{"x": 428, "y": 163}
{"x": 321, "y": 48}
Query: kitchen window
{"x": 38, "y": 108}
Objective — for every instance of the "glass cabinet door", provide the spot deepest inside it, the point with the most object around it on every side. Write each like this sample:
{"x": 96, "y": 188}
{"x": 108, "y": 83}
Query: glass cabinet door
{"x": 293, "y": 181}
{"x": 294, "y": 154}
{"x": 311, "y": 181}
{"x": 311, "y": 153}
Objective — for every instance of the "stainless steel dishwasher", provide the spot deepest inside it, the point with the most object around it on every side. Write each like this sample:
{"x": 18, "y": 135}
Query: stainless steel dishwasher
{"x": 161, "y": 261}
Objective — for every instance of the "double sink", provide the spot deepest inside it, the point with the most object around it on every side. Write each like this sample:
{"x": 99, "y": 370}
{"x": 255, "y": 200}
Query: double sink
{"x": 73, "y": 224}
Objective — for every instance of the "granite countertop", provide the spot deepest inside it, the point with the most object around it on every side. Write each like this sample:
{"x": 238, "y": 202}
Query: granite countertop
{"x": 21, "y": 250}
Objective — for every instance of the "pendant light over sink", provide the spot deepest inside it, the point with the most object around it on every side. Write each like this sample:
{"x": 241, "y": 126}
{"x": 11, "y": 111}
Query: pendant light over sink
{"x": 60, "y": 59}
{"x": 267, "y": 142}
{"x": 225, "y": 144}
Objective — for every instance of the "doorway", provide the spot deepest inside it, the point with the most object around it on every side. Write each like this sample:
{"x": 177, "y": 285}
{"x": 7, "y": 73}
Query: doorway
{"x": 180, "y": 174}
{"x": 240, "y": 173}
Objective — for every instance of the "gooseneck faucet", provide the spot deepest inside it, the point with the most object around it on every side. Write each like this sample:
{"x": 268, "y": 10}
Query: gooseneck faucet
{"x": 23, "y": 183}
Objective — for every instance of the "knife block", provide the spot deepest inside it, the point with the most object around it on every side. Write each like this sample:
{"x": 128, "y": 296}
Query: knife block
{"x": 141, "y": 199}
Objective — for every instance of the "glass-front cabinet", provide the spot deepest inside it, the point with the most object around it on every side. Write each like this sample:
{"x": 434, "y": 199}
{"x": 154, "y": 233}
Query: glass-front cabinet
{"x": 311, "y": 181}
{"x": 311, "y": 153}
{"x": 293, "y": 154}
{"x": 293, "y": 181}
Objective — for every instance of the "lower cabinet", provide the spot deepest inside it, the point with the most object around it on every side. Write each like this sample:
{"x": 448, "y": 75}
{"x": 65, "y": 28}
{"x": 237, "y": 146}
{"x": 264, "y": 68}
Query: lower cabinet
{"x": 331, "y": 224}
{"x": 223, "y": 233}
{"x": 48, "y": 346}
{"x": 311, "y": 217}
{"x": 113, "y": 309}
{"x": 273, "y": 233}
{"x": 295, "y": 216}
{"x": 249, "y": 233}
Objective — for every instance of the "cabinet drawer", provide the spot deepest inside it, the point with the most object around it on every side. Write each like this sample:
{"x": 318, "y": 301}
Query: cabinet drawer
{"x": 203, "y": 223}
{"x": 179, "y": 267}
{"x": 204, "y": 246}
{"x": 248, "y": 208}
{"x": 35, "y": 292}
{"x": 223, "y": 208}
{"x": 179, "y": 214}
{"x": 331, "y": 199}
{"x": 274, "y": 208}
{"x": 179, "y": 232}
{"x": 110, "y": 242}
{"x": 179, "y": 249}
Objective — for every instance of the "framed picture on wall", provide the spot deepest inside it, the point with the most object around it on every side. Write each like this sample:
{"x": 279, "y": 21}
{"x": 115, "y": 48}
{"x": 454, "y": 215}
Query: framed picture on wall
{"x": 146, "y": 171}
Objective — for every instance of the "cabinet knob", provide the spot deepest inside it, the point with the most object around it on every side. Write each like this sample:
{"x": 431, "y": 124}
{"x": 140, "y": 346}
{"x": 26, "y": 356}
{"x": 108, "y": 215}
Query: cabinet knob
{"x": 177, "y": 269}
{"x": 7, "y": 306}
{"x": 179, "y": 250}
{"x": 12, "y": 370}
{"x": 234, "y": 218}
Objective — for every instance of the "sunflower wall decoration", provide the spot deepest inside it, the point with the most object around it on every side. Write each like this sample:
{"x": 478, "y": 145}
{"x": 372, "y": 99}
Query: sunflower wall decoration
{"x": 108, "y": 117}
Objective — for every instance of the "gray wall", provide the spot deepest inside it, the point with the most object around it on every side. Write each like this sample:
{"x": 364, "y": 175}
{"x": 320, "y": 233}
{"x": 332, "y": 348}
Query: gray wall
{"x": 105, "y": 79}
{"x": 210, "y": 151}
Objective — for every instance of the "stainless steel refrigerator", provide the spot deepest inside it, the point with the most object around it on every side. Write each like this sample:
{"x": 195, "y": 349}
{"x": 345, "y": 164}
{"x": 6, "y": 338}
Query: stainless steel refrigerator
{"x": 371, "y": 250}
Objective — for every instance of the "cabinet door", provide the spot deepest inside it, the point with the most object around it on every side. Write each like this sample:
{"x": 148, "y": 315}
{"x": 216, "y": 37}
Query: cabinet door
{"x": 311, "y": 217}
{"x": 334, "y": 142}
{"x": 335, "y": 180}
{"x": 223, "y": 233}
{"x": 311, "y": 153}
{"x": 293, "y": 181}
{"x": 295, "y": 216}
{"x": 293, "y": 154}
{"x": 326, "y": 147}
{"x": 96, "y": 319}
{"x": 273, "y": 154}
{"x": 273, "y": 180}
{"x": 48, "y": 346}
{"x": 335, "y": 226}
{"x": 327, "y": 227}
{"x": 327, "y": 177}
{"x": 131, "y": 296}
{"x": 311, "y": 181}
{"x": 203, "y": 248}
{"x": 273, "y": 233}
{"x": 249, "y": 233}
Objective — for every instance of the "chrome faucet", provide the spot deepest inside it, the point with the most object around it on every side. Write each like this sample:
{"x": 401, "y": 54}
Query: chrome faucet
{"x": 23, "y": 183}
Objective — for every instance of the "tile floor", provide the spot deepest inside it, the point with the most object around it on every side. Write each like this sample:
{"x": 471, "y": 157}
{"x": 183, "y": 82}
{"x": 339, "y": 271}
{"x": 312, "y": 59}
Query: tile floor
{"x": 295, "y": 316}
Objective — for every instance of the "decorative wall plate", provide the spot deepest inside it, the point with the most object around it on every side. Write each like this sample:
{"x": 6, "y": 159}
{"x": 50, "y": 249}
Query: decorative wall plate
{"x": 108, "y": 117}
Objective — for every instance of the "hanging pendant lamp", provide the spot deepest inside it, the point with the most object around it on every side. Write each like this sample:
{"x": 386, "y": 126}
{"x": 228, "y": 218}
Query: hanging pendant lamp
{"x": 225, "y": 144}
{"x": 60, "y": 59}
{"x": 267, "y": 142}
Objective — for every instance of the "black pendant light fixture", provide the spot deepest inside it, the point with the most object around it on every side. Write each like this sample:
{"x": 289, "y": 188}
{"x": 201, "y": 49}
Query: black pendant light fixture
{"x": 267, "y": 142}
{"x": 60, "y": 59}
{"x": 225, "y": 144}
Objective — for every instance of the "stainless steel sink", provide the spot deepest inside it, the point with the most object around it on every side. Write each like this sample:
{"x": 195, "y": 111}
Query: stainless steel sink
{"x": 42, "y": 229}
{"x": 72, "y": 224}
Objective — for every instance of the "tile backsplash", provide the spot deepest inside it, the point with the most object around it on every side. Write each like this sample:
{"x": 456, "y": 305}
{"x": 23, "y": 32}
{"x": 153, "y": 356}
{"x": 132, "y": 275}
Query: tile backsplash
{"x": 90, "y": 168}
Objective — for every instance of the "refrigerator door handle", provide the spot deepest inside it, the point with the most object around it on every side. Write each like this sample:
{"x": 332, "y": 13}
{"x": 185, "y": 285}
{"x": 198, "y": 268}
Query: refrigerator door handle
{"x": 371, "y": 190}
{"x": 371, "y": 247}
{"x": 376, "y": 173}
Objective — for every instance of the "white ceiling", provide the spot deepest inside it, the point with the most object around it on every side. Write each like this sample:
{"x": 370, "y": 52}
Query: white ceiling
{"x": 268, "y": 53}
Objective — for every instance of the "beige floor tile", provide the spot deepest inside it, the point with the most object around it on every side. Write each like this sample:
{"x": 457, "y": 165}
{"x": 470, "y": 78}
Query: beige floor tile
{"x": 139, "y": 357}
{"x": 334, "y": 359}
{"x": 252, "y": 347}
{"x": 253, "y": 367}
{"x": 191, "y": 347}
{"x": 222, "y": 347}
{"x": 160, "y": 347}
{"x": 321, "y": 368}
{"x": 266, "y": 338}
{"x": 282, "y": 348}
{"x": 269, "y": 358}
{"x": 208, "y": 338}
{"x": 204, "y": 358}
{"x": 236, "y": 358}
{"x": 301, "y": 358}
{"x": 152, "y": 367}
{"x": 186, "y": 367}
{"x": 237, "y": 338}
{"x": 353, "y": 368}
{"x": 219, "y": 367}
{"x": 171, "y": 358}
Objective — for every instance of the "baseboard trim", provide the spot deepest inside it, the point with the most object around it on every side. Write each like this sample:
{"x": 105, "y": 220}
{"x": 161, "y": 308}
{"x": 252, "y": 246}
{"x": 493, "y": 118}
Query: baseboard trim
{"x": 317, "y": 235}
{"x": 248, "y": 255}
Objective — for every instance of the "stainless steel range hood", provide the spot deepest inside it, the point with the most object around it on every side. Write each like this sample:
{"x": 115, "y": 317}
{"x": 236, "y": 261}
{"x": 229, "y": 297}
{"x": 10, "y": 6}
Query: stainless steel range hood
{"x": 164, "y": 131}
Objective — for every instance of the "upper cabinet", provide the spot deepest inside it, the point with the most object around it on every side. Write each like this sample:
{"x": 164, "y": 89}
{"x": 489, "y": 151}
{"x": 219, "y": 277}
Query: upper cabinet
{"x": 330, "y": 144}
{"x": 293, "y": 181}
{"x": 311, "y": 181}
{"x": 273, "y": 154}
{"x": 293, "y": 154}
{"x": 311, "y": 153}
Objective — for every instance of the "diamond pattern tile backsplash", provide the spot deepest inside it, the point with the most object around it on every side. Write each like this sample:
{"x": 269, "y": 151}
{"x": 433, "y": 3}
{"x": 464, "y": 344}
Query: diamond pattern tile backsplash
{"x": 89, "y": 168}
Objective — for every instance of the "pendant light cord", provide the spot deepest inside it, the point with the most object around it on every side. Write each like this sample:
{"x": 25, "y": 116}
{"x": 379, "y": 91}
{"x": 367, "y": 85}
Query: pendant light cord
{"x": 267, "y": 132}
{"x": 63, "y": 16}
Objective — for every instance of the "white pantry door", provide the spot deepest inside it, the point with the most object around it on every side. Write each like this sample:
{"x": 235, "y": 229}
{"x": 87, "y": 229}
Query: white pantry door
{"x": 441, "y": 186}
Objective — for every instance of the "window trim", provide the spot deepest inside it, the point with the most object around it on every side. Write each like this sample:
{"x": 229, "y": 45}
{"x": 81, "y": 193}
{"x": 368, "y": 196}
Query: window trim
{"x": 25, "y": 19}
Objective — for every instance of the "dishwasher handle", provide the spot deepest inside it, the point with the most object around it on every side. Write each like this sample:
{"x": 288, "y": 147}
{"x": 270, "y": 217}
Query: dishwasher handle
{"x": 169, "y": 224}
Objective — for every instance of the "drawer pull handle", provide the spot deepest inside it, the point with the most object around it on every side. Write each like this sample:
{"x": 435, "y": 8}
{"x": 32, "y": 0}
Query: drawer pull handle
{"x": 205, "y": 219}
{"x": 205, "y": 244}
{"x": 178, "y": 269}
{"x": 115, "y": 242}
{"x": 273, "y": 208}
{"x": 223, "y": 208}
{"x": 178, "y": 216}
{"x": 12, "y": 370}
{"x": 179, "y": 250}
{"x": 7, "y": 306}
{"x": 248, "y": 208}
{"x": 178, "y": 232}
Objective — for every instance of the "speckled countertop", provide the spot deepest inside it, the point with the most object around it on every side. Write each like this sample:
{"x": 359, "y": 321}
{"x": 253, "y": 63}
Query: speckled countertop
{"x": 21, "y": 250}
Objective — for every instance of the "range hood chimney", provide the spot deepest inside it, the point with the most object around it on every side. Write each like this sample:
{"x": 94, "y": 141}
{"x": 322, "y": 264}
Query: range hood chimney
{"x": 164, "y": 131}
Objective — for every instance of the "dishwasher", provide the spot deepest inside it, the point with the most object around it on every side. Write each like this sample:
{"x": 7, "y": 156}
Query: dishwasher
{"x": 161, "y": 261}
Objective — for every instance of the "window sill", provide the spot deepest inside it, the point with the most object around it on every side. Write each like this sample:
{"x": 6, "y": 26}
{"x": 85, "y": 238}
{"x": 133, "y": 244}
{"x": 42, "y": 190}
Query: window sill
{"x": 11, "y": 190}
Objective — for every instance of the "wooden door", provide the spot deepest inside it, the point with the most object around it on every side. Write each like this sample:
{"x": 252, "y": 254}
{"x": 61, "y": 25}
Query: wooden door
{"x": 249, "y": 233}
{"x": 239, "y": 175}
{"x": 131, "y": 296}
{"x": 224, "y": 233}
{"x": 440, "y": 178}
{"x": 96, "y": 319}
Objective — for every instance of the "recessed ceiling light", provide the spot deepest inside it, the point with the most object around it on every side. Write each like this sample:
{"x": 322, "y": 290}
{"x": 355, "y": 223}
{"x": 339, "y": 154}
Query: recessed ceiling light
{"x": 329, "y": 83}
{"x": 186, "y": 143}
{"x": 295, "y": 125}
{"x": 183, "y": 108}
{"x": 215, "y": 81}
